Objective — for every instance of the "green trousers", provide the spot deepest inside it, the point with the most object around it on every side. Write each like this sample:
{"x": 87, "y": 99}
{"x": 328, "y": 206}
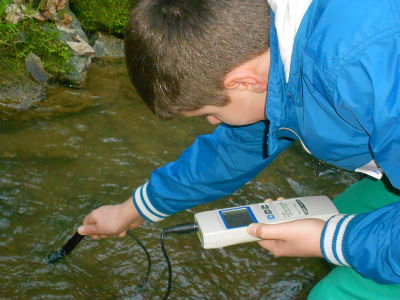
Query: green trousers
{"x": 343, "y": 282}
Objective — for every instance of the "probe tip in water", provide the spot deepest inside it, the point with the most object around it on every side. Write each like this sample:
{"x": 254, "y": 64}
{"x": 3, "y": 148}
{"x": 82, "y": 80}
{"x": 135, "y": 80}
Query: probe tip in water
{"x": 55, "y": 256}
{"x": 67, "y": 248}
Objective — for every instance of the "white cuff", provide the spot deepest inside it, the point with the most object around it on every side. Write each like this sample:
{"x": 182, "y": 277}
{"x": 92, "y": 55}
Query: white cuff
{"x": 332, "y": 239}
{"x": 144, "y": 206}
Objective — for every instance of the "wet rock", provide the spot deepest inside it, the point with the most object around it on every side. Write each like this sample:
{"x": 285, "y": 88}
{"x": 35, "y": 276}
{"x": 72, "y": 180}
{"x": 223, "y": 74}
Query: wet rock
{"x": 78, "y": 76}
{"x": 21, "y": 95}
{"x": 80, "y": 61}
{"x": 106, "y": 46}
{"x": 59, "y": 101}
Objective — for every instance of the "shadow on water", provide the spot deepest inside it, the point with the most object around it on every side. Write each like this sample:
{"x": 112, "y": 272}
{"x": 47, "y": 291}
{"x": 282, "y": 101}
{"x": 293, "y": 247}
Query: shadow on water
{"x": 73, "y": 157}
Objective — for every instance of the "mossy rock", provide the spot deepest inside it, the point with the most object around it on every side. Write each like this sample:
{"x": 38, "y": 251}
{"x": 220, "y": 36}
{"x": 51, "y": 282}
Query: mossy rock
{"x": 18, "y": 91}
{"x": 102, "y": 15}
{"x": 17, "y": 41}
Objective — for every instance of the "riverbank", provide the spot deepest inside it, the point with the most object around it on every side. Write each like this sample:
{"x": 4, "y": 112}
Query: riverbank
{"x": 43, "y": 43}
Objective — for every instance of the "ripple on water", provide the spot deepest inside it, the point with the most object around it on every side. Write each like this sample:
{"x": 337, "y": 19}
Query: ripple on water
{"x": 4, "y": 223}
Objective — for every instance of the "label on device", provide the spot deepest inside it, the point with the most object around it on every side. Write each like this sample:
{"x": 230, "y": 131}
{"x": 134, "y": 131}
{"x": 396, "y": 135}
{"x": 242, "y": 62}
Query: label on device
{"x": 223, "y": 227}
{"x": 292, "y": 209}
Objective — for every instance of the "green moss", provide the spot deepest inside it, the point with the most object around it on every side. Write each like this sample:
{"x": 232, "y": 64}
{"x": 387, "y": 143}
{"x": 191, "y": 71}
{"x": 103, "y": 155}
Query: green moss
{"x": 102, "y": 15}
{"x": 11, "y": 66}
{"x": 41, "y": 38}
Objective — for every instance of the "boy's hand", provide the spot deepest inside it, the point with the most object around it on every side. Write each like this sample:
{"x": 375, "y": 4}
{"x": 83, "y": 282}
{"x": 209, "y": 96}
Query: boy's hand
{"x": 298, "y": 238}
{"x": 111, "y": 220}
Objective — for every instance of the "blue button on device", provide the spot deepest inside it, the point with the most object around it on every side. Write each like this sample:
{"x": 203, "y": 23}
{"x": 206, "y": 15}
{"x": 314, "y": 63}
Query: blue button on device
{"x": 271, "y": 217}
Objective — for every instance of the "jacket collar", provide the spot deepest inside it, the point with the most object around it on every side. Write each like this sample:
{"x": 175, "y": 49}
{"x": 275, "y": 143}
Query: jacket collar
{"x": 288, "y": 17}
{"x": 276, "y": 86}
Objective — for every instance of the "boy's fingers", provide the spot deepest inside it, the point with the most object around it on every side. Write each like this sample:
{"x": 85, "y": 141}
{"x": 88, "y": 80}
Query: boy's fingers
{"x": 265, "y": 232}
{"x": 89, "y": 219}
{"x": 81, "y": 230}
{"x": 98, "y": 236}
{"x": 271, "y": 200}
{"x": 87, "y": 230}
{"x": 93, "y": 231}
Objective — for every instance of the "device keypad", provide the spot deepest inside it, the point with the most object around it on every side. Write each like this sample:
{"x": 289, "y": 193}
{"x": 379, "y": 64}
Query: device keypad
{"x": 270, "y": 216}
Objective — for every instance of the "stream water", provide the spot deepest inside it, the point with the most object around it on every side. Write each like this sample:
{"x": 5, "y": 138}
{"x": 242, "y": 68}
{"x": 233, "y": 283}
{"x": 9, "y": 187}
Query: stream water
{"x": 70, "y": 159}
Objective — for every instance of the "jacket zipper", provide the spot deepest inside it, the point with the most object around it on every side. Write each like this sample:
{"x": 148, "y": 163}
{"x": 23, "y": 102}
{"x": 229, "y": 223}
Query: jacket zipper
{"x": 295, "y": 133}
{"x": 317, "y": 170}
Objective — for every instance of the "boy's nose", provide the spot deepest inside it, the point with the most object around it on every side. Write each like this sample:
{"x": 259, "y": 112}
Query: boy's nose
{"x": 213, "y": 120}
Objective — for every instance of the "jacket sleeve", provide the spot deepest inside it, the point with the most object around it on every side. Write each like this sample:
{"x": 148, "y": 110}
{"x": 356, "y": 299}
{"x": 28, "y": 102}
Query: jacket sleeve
{"x": 367, "y": 242}
{"x": 214, "y": 166}
{"x": 368, "y": 90}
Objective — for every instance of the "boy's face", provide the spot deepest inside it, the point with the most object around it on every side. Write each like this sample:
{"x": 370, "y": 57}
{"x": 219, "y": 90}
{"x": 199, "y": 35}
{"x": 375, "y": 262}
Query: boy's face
{"x": 246, "y": 87}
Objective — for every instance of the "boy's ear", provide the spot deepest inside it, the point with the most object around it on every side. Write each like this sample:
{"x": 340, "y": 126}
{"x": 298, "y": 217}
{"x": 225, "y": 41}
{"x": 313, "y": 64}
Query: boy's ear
{"x": 245, "y": 80}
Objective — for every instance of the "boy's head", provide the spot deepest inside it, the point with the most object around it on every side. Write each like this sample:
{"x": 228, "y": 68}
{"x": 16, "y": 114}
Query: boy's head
{"x": 179, "y": 52}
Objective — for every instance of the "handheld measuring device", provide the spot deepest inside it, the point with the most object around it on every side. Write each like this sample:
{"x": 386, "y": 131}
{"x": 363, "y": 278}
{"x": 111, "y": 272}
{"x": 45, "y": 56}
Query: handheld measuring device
{"x": 224, "y": 227}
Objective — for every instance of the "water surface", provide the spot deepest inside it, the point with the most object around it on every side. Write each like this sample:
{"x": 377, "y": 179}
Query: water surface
{"x": 73, "y": 158}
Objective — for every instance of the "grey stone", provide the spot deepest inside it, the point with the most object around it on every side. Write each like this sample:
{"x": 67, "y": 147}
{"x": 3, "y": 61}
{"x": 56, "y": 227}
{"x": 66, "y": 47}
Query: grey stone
{"x": 35, "y": 68}
{"x": 78, "y": 63}
{"x": 77, "y": 77}
{"x": 106, "y": 45}
{"x": 21, "y": 94}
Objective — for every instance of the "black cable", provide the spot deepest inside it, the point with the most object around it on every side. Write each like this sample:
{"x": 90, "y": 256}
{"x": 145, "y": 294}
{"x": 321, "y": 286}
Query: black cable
{"x": 146, "y": 277}
{"x": 183, "y": 228}
{"x": 168, "y": 264}
{"x": 76, "y": 238}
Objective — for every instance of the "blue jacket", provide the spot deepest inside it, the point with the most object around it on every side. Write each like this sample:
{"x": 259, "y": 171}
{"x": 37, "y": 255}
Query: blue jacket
{"x": 342, "y": 100}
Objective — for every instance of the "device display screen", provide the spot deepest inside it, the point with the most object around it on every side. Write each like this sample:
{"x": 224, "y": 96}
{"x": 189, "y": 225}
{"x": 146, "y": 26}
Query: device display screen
{"x": 237, "y": 218}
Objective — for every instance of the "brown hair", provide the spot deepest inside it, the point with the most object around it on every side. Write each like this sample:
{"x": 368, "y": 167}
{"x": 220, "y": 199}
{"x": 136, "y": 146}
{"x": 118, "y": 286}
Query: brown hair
{"x": 178, "y": 51}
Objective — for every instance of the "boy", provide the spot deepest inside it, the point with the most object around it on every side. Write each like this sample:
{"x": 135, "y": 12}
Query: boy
{"x": 328, "y": 76}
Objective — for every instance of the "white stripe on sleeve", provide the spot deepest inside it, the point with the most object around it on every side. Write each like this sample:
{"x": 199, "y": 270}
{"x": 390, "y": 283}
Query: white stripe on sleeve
{"x": 146, "y": 199}
{"x": 328, "y": 238}
{"x": 339, "y": 240}
{"x": 142, "y": 207}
